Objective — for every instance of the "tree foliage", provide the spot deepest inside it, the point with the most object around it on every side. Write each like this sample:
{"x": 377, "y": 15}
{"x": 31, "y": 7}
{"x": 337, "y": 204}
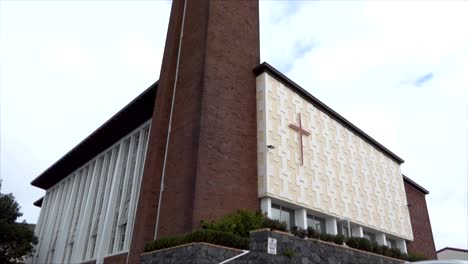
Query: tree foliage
{"x": 17, "y": 240}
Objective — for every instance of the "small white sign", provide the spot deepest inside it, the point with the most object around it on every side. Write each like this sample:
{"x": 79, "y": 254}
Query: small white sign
{"x": 272, "y": 246}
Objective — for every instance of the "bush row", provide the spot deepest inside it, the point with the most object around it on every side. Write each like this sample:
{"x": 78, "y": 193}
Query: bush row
{"x": 357, "y": 243}
{"x": 233, "y": 230}
{"x": 203, "y": 235}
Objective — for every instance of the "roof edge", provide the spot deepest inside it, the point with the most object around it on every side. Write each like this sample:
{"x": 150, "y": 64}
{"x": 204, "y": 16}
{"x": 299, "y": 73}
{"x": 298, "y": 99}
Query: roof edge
{"x": 37, "y": 181}
{"x": 415, "y": 185}
{"x": 265, "y": 67}
{"x": 452, "y": 248}
{"x": 39, "y": 202}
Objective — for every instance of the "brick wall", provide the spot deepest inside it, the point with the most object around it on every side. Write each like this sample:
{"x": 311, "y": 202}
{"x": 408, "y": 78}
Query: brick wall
{"x": 423, "y": 240}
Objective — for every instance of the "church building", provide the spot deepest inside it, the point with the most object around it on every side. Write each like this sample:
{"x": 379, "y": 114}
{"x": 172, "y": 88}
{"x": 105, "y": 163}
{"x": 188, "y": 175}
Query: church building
{"x": 216, "y": 133}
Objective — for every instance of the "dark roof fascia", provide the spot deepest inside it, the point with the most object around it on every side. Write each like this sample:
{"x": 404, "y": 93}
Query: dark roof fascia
{"x": 415, "y": 185}
{"x": 39, "y": 201}
{"x": 123, "y": 122}
{"x": 265, "y": 67}
{"x": 454, "y": 249}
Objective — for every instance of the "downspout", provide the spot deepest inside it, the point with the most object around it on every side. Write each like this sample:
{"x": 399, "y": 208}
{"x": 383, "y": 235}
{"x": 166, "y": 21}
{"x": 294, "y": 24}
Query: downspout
{"x": 170, "y": 121}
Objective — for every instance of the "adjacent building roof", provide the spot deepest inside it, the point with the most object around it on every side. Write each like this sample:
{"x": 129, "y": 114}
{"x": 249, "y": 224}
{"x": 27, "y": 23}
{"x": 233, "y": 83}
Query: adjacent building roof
{"x": 126, "y": 120}
{"x": 265, "y": 67}
{"x": 453, "y": 249}
{"x": 415, "y": 185}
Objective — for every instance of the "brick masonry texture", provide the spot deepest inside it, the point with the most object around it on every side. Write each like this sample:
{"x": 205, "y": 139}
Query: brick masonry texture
{"x": 305, "y": 251}
{"x": 211, "y": 164}
{"x": 116, "y": 259}
{"x": 423, "y": 242}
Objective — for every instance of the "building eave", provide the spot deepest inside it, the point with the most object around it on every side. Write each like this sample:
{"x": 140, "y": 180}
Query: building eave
{"x": 415, "y": 185}
{"x": 123, "y": 122}
{"x": 265, "y": 67}
{"x": 38, "y": 202}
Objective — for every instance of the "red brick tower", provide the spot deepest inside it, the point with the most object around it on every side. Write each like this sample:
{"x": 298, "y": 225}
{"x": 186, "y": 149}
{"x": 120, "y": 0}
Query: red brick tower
{"x": 206, "y": 95}
{"x": 423, "y": 242}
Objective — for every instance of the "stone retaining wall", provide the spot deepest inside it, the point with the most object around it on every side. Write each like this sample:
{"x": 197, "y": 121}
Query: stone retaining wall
{"x": 190, "y": 253}
{"x": 289, "y": 249}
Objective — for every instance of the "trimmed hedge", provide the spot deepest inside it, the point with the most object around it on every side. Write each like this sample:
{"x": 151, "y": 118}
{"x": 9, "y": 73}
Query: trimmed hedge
{"x": 203, "y": 235}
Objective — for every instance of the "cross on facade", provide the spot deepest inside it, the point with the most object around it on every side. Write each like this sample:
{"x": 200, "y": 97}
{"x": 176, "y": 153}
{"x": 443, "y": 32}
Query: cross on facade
{"x": 301, "y": 131}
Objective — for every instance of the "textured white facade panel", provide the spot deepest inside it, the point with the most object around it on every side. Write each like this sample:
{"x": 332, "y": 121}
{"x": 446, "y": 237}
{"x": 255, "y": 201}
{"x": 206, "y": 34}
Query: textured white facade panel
{"x": 342, "y": 175}
{"x": 89, "y": 214}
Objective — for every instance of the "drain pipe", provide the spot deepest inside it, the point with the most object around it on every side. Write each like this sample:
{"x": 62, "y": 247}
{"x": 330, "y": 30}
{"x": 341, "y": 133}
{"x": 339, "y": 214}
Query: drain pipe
{"x": 170, "y": 121}
{"x": 244, "y": 252}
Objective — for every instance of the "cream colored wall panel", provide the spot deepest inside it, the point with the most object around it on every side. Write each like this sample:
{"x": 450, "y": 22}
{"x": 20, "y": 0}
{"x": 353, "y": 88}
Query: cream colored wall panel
{"x": 341, "y": 175}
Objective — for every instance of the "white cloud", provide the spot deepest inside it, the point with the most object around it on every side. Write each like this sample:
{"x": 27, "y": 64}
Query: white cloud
{"x": 378, "y": 122}
{"x": 141, "y": 54}
{"x": 69, "y": 55}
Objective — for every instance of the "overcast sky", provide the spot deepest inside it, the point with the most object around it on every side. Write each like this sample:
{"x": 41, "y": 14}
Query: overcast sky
{"x": 396, "y": 69}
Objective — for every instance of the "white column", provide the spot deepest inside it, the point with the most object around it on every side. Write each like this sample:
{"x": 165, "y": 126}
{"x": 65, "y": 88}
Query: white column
{"x": 381, "y": 239}
{"x": 103, "y": 241}
{"x": 401, "y": 244}
{"x": 85, "y": 203}
{"x": 265, "y": 205}
{"x": 44, "y": 212}
{"x": 81, "y": 234}
{"x": 300, "y": 217}
{"x": 62, "y": 240}
{"x": 331, "y": 226}
{"x": 357, "y": 231}
{"x": 134, "y": 195}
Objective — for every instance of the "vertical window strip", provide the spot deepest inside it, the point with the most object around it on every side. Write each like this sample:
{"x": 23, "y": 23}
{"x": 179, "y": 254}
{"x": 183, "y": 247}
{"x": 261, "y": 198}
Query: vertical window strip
{"x": 120, "y": 187}
{"x": 61, "y": 226}
{"x": 128, "y": 183}
{"x": 136, "y": 185}
{"x": 110, "y": 165}
{"x": 94, "y": 193}
{"x": 58, "y": 211}
{"x": 101, "y": 164}
{"x": 103, "y": 234}
{"x": 74, "y": 181}
{"x": 48, "y": 228}
{"x": 46, "y": 206}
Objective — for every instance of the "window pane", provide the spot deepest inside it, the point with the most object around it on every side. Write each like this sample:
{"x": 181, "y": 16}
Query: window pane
{"x": 316, "y": 223}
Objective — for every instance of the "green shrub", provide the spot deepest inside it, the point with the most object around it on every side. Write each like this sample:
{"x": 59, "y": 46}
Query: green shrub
{"x": 352, "y": 242}
{"x": 242, "y": 222}
{"x": 274, "y": 224}
{"x": 414, "y": 256}
{"x": 386, "y": 251}
{"x": 326, "y": 237}
{"x": 164, "y": 243}
{"x": 312, "y": 233}
{"x": 376, "y": 248}
{"x": 395, "y": 253}
{"x": 289, "y": 253}
{"x": 239, "y": 223}
{"x": 299, "y": 232}
{"x": 338, "y": 239}
{"x": 203, "y": 235}
{"x": 359, "y": 243}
